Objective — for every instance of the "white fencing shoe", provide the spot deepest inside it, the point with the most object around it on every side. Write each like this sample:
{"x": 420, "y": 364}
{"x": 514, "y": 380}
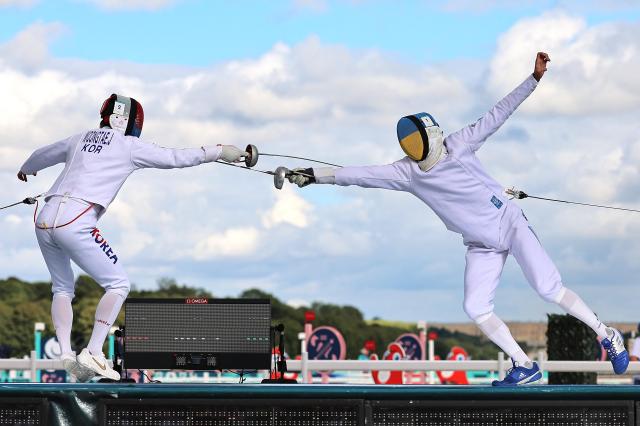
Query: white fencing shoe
{"x": 97, "y": 364}
{"x": 75, "y": 369}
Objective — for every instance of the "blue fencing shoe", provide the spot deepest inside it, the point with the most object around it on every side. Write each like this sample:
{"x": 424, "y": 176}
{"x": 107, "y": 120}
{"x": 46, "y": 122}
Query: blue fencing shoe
{"x": 614, "y": 346}
{"x": 520, "y": 376}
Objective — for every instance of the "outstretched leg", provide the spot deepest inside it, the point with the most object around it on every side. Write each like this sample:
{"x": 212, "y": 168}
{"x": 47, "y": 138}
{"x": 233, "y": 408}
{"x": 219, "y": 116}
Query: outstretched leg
{"x": 88, "y": 248}
{"x": 481, "y": 278}
{"x": 59, "y": 265}
{"x": 91, "y": 252}
{"x": 544, "y": 277}
{"x": 62, "y": 280}
{"x": 482, "y": 275}
{"x": 106, "y": 314}
{"x": 62, "y": 317}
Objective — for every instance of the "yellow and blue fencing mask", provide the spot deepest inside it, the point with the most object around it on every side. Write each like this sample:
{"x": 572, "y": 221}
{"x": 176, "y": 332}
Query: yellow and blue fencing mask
{"x": 421, "y": 139}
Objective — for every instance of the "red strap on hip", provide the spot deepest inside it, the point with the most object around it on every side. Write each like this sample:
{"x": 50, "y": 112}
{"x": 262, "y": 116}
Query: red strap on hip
{"x": 59, "y": 226}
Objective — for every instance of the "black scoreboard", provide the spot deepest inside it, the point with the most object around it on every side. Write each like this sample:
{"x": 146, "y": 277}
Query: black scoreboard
{"x": 197, "y": 334}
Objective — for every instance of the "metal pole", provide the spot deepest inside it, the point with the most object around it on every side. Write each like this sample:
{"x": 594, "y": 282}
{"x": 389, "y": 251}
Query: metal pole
{"x": 541, "y": 361}
{"x": 422, "y": 326}
{"x": 308, "y": 331}
{"x": 304, "y": 356}
{"x": 501, "y": 369}
{"x": 305, "y": 370}
{"x": 32, "y": 367}
{"x": 432, "y": 356}
{"x": 112, "y": 343}
{"x": 38, "y": 328}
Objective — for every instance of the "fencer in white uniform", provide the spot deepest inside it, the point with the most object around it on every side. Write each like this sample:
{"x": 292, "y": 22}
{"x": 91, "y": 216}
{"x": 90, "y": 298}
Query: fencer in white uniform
{"x": 97, "y": 163}
{"x": 446, "y": 174}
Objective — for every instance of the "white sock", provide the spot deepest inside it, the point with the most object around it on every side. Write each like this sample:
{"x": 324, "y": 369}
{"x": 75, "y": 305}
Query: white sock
{"x": 498, "y": 332}
{"x": 106, "y": 313}
{"x": 62, "y": 317}
{"x": 575, "y": 306}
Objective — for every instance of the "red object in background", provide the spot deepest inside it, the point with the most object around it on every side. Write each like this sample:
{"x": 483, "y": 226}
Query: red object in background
{"x": 309, "y": 316}
{"x": 394, "y": 352}
{"x": 370, "y": 345}
{"x": 456, "y": 353}
{"x": 433, "y": 335}
{"x": 276, "y": 374}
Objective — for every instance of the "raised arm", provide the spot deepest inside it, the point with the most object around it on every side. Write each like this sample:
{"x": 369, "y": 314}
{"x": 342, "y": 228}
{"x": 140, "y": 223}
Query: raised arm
{"x": 44, "y": 157}
{"x": 395, "y": 176}
{"x": 475, "y": 134}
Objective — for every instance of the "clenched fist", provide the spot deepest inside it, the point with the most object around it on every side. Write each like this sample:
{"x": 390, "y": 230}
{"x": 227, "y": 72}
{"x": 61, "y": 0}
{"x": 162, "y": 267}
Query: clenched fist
{"x": 22, "y": 176}
{"x": 541, "y": 65}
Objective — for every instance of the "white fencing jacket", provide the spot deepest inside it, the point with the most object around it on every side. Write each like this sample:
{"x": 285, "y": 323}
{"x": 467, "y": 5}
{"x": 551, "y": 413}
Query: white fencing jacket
{"x": 458, "y": 189}
{"x": 97, "y": 162}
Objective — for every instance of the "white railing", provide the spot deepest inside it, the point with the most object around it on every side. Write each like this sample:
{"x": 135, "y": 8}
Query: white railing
{"x": 304, "y": 365}
{"x": 602, "y": 367}
{"x": 501, "y": 365}
{"x": 32, "y": 364}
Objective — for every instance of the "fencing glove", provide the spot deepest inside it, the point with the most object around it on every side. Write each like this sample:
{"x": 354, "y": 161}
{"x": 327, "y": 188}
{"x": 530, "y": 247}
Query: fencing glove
{"x": 231, "y": 154}
{"x": 315, "y": 175}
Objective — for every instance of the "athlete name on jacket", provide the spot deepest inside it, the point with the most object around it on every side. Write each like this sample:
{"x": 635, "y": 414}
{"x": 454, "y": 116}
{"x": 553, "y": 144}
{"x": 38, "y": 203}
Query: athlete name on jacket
{"x": 95, "y": 139}
{"x": 99, "y": 239}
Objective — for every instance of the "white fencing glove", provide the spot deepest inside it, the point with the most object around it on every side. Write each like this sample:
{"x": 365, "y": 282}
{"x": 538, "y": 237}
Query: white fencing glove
{"x": 315, "y": 175}
{"x": 231, "y": 154}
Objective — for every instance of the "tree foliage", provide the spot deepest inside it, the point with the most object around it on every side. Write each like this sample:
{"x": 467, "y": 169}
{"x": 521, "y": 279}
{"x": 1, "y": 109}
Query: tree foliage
{"x": 570, "y": 339}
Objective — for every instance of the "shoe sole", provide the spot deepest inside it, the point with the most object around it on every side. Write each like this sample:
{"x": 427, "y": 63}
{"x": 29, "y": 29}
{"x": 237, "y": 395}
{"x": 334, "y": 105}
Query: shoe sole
{"x": 617, "y": 334}
{"x": 108, "y": 372}
{"x": 623, "y": 370}
{"x": 79, "y": 371}
{"x": 532, "y": 381}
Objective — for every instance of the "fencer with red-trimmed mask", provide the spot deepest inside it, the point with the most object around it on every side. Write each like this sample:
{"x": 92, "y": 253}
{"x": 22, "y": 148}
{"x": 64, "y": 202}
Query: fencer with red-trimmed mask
{"x": 97, "y": 163}
{"x": 446, "y": 174}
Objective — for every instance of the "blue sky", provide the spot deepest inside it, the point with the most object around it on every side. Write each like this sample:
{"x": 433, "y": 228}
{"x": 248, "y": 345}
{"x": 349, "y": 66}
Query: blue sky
{"x": 329, "y": 79}
{"x": 199, "y": 33}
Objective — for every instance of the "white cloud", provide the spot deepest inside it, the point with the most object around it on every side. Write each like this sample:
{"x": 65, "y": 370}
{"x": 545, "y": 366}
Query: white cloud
{"x": 29, "y": 48}
{"x": 591, "y": 70}
{"x": 19, "y": 3}
{"x": 578, "y": 7}
{"x": 311, "y": 5}
{"x": 21, "y": 261}
{"x": 13, "y": 219}
{"x": 298, "y": 303}
{"x": 483, "y": 6}
{"x": 289, "y": 208}
{"x": 232, "y": 242}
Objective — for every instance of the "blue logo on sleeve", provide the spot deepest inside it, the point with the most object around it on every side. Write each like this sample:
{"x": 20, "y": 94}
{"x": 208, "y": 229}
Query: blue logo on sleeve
{"x": 496, "y": 202}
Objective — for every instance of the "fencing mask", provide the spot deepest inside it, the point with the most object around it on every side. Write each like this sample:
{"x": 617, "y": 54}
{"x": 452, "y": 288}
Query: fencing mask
{"x": 123, "y": 114}
{"x": 421, "y": 139}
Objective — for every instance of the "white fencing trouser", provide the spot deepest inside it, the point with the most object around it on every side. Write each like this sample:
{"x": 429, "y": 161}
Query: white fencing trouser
{"x": 81, "y": 242}
{"x": 484, "y": 268}
{"x": 482, "y": 276}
